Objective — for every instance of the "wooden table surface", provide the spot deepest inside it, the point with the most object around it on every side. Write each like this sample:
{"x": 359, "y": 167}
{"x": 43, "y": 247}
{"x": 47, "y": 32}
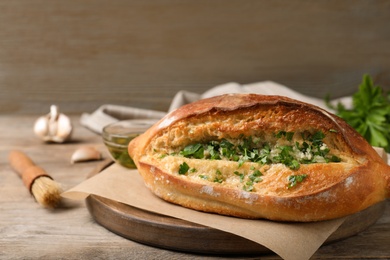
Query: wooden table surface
{"x": 28, "y": 231}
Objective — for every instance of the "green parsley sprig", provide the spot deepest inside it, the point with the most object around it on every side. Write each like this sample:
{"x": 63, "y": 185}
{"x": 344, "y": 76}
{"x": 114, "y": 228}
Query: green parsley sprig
{"x": 370, "y": 113}
{"x": 293, "y": 180}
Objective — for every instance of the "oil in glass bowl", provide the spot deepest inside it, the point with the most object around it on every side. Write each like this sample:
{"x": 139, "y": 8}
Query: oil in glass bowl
{"x": 117, "y": 136}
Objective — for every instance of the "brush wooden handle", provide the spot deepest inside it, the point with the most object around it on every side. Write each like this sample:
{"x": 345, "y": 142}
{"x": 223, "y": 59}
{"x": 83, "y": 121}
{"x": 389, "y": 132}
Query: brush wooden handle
{"x": 25, "y": 168}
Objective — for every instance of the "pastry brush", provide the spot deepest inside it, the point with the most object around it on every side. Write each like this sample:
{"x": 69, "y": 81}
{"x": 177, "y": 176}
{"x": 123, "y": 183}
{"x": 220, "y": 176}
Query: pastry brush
{"x": 44, "y": 189}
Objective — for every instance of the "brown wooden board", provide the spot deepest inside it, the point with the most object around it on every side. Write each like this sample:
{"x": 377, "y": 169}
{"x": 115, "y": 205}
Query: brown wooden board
{"x": 175, "y": 234}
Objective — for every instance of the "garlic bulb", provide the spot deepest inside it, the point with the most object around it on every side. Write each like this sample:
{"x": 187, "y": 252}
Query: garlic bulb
{"x": 53, "y": 127}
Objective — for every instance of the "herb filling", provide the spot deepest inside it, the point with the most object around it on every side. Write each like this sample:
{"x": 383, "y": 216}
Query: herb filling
{"x": 310, "y": 149}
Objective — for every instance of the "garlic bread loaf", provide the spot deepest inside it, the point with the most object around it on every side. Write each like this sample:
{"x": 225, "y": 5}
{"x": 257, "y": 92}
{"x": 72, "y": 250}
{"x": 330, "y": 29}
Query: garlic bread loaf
{"x": 257, "y": 156}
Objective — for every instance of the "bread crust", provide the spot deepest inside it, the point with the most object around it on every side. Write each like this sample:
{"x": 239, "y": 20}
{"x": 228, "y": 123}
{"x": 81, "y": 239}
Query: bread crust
{"x": 331, "y": 190}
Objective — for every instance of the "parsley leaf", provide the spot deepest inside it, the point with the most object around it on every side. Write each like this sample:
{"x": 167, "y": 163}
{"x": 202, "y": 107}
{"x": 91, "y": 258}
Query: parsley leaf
{"x": 195, "y": 150}
{"x": 183, "y": 168}
{"x": 293, "y": 180}
{"x": 370, "y": 113}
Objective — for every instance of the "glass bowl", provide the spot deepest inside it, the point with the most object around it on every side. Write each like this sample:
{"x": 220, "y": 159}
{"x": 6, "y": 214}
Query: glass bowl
{"x": 116, "y": 137}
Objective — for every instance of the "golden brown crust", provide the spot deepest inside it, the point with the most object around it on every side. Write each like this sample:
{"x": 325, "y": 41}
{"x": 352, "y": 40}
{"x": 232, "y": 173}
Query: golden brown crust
{"x": 331, "y": 190}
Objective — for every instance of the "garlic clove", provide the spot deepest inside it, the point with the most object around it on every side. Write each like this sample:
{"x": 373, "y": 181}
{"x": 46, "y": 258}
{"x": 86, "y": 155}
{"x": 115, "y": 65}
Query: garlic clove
{"x": 53, "y": 127}
{"x": 64, "y": 128}
{"x": 41, "y": 127}
{"x": 85, "y": 153}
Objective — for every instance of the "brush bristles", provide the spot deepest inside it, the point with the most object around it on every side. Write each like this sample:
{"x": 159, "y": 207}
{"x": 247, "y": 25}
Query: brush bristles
{"x": 46, "y": 192}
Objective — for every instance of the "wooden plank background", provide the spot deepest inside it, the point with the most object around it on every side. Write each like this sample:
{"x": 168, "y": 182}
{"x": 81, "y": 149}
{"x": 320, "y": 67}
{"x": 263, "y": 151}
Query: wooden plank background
{"x": 82, "y": 54}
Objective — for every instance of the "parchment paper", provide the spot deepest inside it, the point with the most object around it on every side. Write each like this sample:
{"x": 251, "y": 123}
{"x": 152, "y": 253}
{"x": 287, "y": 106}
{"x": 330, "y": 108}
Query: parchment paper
{"x": 291, "y": 241}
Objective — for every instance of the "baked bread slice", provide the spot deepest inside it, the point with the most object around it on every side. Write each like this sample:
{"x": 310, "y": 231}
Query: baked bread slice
{"x": 257, "y": 156}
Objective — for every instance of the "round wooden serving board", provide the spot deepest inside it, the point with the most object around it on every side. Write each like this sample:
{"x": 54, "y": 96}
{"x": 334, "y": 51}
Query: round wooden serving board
{"x": 180, "y": 235}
